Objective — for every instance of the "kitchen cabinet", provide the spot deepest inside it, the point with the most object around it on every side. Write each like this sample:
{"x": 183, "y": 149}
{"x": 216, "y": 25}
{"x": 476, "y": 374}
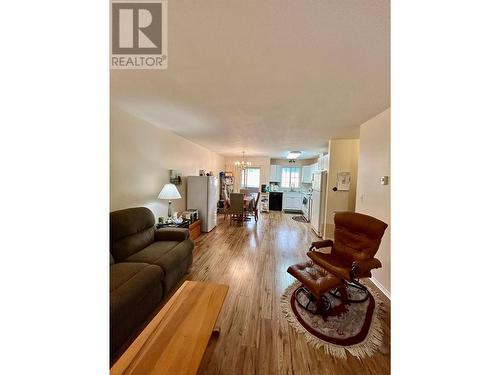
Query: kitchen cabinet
{"x": 315, "y": 168}
{"x": 323, "y": 163}
{"x": 292, "y": 201}
{"x": 307, "y": 171}
{"x": 275, "y": 173}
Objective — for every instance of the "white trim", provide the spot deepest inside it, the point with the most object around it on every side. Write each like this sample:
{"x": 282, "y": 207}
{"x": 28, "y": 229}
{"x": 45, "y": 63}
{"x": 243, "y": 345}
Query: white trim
{"x": 381, "y": 287}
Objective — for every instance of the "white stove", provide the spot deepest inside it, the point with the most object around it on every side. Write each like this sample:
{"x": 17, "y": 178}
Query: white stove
{"x": 306, "y": 206}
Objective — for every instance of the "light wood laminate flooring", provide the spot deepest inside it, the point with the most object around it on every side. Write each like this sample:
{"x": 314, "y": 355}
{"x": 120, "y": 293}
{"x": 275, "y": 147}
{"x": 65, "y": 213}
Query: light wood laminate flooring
{"x": 255, "y": 337}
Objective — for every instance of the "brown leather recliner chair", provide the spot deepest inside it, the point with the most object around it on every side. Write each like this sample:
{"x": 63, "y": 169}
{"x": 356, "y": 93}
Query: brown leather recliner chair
{"x": 352, "y": 253}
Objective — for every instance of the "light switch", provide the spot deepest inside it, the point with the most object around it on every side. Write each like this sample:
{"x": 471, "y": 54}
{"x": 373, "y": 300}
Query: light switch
{"x": 384, "y": 180}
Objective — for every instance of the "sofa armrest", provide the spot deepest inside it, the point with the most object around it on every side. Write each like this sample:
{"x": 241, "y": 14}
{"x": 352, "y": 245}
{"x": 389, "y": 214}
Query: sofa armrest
{"x": 171, "y": 234}
{"x": 321, "y": 244}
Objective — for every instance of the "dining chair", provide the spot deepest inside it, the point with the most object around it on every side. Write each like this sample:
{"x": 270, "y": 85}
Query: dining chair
{"x": 236, "y": 209}
{"x": 227, "y": 203}
{"x": 256, "y": 207}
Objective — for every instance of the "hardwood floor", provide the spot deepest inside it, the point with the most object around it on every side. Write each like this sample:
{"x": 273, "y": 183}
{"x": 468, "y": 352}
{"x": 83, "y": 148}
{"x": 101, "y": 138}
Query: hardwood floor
{"x": 255, "y": 338}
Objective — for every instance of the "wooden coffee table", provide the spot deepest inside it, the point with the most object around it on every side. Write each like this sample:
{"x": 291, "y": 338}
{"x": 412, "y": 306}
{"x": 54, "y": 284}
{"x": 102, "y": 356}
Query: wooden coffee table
{"x": 175, "y": 340}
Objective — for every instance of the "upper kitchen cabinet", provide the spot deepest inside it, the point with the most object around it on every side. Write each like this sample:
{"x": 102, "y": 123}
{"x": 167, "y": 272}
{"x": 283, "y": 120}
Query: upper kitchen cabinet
{"x": 323, "y": 163}
{"x": 275, "y": 173}
{"x": 307, "y": 172}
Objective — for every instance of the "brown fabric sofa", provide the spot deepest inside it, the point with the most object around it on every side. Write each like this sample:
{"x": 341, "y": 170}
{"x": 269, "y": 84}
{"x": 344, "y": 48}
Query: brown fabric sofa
{"x": 146, "y": 265}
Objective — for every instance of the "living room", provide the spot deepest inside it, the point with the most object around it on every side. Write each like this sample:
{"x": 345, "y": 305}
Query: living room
{"x": 251, "y": 257}
{"x": 244, "y": 161}
{"x": 255, "y": 187}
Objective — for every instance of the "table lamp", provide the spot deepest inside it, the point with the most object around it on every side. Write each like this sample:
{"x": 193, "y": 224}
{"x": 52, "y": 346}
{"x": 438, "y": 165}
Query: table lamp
{"x": 169, "y": 192}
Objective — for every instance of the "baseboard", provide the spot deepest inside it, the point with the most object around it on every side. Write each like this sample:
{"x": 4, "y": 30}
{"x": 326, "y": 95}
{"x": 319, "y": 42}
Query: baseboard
{"x": 381, "y": 287}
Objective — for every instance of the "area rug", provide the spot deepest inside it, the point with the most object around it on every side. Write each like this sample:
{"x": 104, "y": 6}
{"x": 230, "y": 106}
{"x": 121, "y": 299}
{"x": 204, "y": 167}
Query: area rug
{"x": 299, "y": 219}
{"x": 355, "y": 328}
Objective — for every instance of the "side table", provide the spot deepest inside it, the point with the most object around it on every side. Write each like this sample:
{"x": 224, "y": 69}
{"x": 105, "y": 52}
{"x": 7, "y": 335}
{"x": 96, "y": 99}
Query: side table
{"x": 194, "y": 227}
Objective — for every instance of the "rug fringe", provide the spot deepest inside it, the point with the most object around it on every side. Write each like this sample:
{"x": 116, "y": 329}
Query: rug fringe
{"x": 367, "y": 347}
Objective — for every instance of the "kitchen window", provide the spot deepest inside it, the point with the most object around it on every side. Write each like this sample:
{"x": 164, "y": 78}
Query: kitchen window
{"x": 290, "y": 177}
{"x": 250, "y": 178}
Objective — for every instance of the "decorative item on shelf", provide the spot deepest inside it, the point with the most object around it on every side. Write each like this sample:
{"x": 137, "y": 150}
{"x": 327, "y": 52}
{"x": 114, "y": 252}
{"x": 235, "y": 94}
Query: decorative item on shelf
{"x": 227, "y": 184}
{"x": 175, "y": 177}
{"x": 202, "y": 172}
{"x": 191, "y": 215}
{"x": 177, "y": 219}
{"x": 169, "y": 192}
{"x": 161, "y": 220}
{"x": 243, "y": 164}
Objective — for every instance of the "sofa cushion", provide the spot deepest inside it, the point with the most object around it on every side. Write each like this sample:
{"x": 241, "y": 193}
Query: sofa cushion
{"x": 127, "y": 280}
{"x": 172, "y": 234}
{"x": 135, "y": 291}
{"x": 132, "y": 230}
{"x": 165, "y": 254}
{"x": 173, "y": 257}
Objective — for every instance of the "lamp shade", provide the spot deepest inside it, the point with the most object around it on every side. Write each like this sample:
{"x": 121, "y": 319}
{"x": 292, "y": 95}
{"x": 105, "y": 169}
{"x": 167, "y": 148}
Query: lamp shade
{"x": 169, "y": 191}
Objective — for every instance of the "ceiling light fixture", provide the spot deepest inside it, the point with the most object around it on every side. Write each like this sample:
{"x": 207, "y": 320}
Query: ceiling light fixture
{"x": 243, "y": 164}
{"x": 293, "y": 154}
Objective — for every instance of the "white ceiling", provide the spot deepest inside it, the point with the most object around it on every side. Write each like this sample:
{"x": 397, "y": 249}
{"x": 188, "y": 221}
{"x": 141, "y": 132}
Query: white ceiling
{"x": 265, "y": 76}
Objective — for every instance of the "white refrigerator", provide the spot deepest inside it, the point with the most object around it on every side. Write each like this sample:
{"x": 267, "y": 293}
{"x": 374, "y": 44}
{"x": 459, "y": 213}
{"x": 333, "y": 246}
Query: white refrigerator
{"x": 318, "y": 199}
{"x": 203, "y": 194}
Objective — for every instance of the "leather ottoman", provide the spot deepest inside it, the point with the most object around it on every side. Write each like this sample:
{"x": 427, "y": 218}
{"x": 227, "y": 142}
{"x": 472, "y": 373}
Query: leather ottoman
{"x": 316, "y": 282}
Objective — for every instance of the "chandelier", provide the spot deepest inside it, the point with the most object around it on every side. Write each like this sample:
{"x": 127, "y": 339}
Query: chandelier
{"x": 243, "y": 164}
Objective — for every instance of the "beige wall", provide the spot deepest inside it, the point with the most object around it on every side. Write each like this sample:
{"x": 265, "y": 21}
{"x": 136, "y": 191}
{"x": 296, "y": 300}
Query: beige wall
{"x": 141, "y": 157}
{"x": 373, "y": 198}
{"x": 343, "y": 158}
{"x": 262, "y": 162}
